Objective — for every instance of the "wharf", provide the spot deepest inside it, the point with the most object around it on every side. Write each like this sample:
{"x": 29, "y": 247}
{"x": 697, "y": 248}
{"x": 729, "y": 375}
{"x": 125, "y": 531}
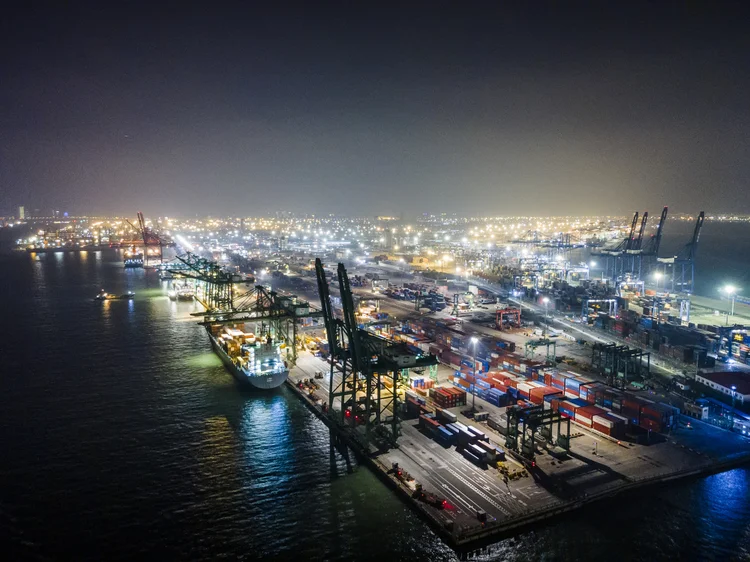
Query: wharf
{"x": 598, "y": 467}
{"x": 71, "y": 249}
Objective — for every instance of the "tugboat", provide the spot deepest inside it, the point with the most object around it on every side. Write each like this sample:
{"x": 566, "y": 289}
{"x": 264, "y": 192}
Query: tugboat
{"x": 104, "y": 296}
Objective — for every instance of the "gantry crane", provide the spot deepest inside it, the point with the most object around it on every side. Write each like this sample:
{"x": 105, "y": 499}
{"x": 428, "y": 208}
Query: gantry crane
{"x": 150, "y": 238}
{"x": 683, "y": 264}
{"x": 363, "y": 394}
{"x": 232, "y": 298}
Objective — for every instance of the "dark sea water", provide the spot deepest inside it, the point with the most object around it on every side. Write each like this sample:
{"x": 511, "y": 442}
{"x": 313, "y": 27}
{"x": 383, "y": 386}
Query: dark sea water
{"x": 124, "y": 438}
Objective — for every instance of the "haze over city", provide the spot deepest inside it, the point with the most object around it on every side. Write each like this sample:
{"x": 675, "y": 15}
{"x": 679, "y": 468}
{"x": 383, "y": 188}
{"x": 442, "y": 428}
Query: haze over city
{"x": 550, "y": 109}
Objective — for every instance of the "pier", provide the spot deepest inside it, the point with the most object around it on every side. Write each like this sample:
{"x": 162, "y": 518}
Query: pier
{"x": 480, "y": 506}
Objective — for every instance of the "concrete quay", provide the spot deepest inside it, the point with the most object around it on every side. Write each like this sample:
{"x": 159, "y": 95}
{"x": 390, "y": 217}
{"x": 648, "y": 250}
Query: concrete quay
{"x": 597, "y": 467}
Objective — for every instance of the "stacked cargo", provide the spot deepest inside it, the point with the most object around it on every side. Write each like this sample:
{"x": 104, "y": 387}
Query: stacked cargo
{"x": 523, "y": 390}
{"x": 656, "y": 417}
{"x": 496, "y": 397}
{"x": 585, "y": 415}
{"x": 428, "y": 423}
{"x": 421, "y": 383}
{"x": 557, "y": 380}
{"x": 565, "y": 408}
{"x": 572, "y": 386}
{"x": 463, "y": 436}
{"x": 445, "y": 416}
{"x": 477, "y": 433}
{"x": 620, "y": 424}
{"x": 538, "y": 395}
{"x": 412, "y": 408}
{"x": 631, "y": 408}
{"x": 445, "y": 436}
{"x": 588, "y": 391}
{"x": 549, "y": 399}
{"x": 449, "y": 397}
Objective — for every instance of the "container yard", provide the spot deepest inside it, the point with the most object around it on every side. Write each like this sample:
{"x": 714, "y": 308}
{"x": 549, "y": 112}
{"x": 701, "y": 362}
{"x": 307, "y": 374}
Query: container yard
{"x": 481, "y": 439}
{"x": 481, "y": 488}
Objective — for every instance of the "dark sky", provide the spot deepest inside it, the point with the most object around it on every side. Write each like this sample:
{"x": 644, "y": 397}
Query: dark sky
{"x": 468, "y": 107}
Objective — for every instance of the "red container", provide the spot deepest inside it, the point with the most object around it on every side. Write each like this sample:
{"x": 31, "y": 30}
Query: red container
{"x": 653, "y": 425}
{"x": 591, "y": 411}
{"x": 603, "y": 428}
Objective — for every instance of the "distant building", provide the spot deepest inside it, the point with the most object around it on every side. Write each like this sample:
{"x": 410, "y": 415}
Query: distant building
{"x": 21, "y": 213}
{"x": 723, "y": 382}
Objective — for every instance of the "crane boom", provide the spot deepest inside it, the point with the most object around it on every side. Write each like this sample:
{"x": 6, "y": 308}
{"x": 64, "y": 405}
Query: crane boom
{"x": 639, "y": 241}
{"x": 629, "y": 242}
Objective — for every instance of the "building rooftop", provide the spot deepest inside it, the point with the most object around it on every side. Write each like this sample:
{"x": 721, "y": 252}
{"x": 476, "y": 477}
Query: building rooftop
{"x": 728, "y": 379}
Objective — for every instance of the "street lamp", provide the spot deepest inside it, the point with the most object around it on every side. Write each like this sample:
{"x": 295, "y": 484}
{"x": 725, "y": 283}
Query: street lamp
{"x": 545, "y": 300}
{"x": 474, "y": 342}
{"x": 731, "y": 292}
{"x": 731, "y": 427}
{"x": 658, "y": 275}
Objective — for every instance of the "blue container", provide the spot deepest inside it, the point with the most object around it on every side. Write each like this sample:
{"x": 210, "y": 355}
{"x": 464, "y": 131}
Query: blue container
{"x": 580, "y": 402}
{"x": 483, "y": 384}
{"x": 513, "y": 392}
{"x": 551, "y": 397}
{"x": 446, "y": 436}
{"x": 566, "y": 412}
{"x": 452, "y": 428}
{"x": 558, "y": 385}
{"x": 572, "y": 384}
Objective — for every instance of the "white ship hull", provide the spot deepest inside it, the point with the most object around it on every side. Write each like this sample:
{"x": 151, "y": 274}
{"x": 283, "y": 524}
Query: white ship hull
{"x": 263, "y": 382}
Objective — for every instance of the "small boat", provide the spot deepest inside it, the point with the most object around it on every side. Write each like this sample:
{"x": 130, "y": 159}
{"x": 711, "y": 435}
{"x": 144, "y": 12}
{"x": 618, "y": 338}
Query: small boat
{"x": 185, "y": 294}
{"x": 104, "y": 296}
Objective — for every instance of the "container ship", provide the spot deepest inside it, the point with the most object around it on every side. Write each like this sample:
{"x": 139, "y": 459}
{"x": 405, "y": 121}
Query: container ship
{"x": 133, "y": 259}
{"x": 253, "y": 360}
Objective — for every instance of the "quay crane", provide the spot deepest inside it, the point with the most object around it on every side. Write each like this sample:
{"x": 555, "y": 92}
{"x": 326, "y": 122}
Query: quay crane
{"x": 370, "y": 367}
{"x": 226, "y": 302}
{"x": 150, "y": 238}
{"x": 683, "y": 264}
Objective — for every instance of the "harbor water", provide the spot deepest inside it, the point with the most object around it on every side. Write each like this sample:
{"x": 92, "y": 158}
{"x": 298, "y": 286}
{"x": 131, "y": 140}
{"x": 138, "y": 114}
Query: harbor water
{"x": 124, "y": 437}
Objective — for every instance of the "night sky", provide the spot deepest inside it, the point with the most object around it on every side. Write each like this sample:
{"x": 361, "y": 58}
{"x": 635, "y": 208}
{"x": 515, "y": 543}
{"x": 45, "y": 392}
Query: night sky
{"x": 467, "y": 107}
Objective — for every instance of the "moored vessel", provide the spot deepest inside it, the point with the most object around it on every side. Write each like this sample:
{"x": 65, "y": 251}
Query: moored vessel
{"x": 255, "y": 361}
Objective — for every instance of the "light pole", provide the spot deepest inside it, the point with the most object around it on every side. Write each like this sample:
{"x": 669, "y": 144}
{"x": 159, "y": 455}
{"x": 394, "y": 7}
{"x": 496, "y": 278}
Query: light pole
{"x": 658, "y": 275}
{"x": 474, "y": 342}
{"x": 731, "y": 292}
{"x": 731, "y": 419}
{"x": 545, "y": 300}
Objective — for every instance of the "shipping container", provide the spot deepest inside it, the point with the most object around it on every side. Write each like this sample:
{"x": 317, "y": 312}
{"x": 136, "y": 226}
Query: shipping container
{"x": 446, "y": 436}
{"x": 478, "y": 451}
{"x": 479, "y": 434}
{"x": 465, "y": 438}
{"x": 472, "y": 457}
{"x": 446, "y": 416}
